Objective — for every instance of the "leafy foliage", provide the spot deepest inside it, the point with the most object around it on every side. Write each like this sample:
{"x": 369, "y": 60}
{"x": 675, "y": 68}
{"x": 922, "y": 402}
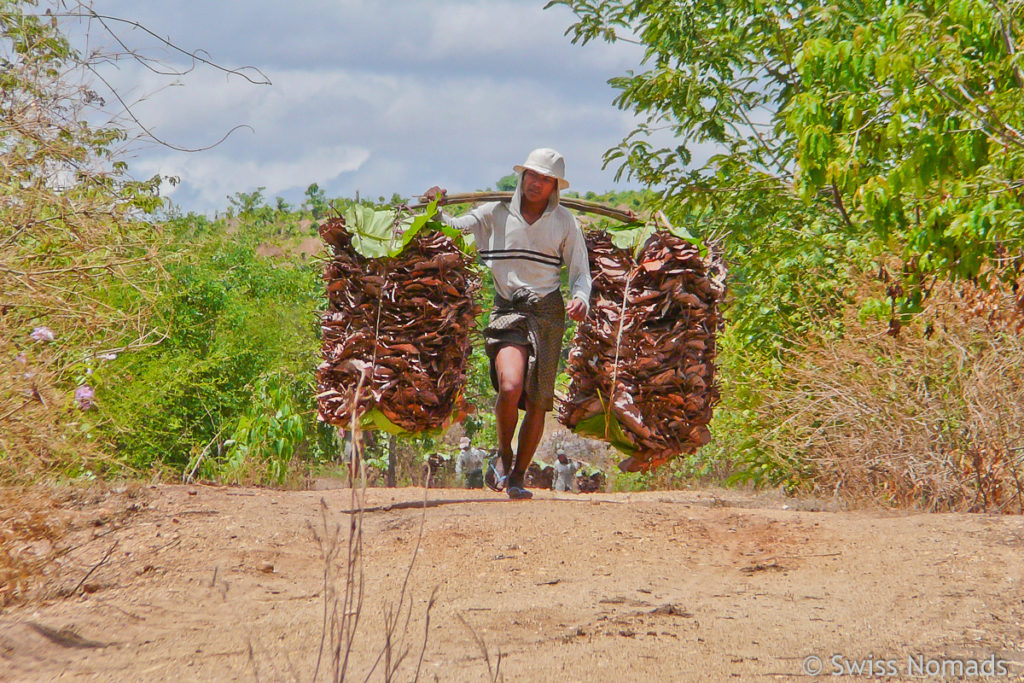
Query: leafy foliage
{"x": 75, "y": 261}
{"x": 377, "y": 233}
{"x": 270, "y": 432}
{"x": 508, "y": 183}
{"x": 913, "y": 118}
{"x": 853, "y": 137}
{"x": 239, "y": 328}
{"x": 900, "y": 121}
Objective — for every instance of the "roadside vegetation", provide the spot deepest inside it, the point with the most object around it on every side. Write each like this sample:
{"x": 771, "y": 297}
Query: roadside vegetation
{"x": 868, "y": 206}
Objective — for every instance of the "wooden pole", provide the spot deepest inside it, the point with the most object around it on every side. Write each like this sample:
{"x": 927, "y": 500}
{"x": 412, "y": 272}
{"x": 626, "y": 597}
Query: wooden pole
{"x": 627, "y": 216}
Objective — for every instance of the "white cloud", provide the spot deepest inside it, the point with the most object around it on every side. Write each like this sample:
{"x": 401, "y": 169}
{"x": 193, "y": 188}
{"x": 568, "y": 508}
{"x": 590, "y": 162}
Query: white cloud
{"x": 380, "y": 97}
{"x": 209, "y": 179}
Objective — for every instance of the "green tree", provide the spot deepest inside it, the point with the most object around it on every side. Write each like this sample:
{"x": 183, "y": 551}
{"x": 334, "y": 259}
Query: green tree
{"x": 913, "y": 122}
{"x": 316, "y": 201}
{"x": 852, "y": 137}
{"x": 507, "y": 183}
{"x": 897, "y": 123}
{"x": 248, "y": 202}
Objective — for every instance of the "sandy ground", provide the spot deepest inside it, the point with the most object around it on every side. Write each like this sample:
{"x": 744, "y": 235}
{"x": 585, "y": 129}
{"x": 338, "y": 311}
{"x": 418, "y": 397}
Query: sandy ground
{"x": 203, "y": 583}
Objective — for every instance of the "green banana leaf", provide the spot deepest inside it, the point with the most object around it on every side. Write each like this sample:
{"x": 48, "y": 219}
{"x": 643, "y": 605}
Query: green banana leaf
{"x": 379, "y": 233}
{"x": 608, "y": 430}
{"x": 633, "y": 236}
{"x": 374, "y": 419}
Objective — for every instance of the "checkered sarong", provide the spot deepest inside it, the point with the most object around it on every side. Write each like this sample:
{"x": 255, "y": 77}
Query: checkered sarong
{"x": 537, "y": 323}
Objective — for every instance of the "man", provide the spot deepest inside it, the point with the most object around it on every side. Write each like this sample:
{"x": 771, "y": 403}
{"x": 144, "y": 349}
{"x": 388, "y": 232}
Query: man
{"x": 469, "y": 466}
{"x": 565, "y": 471}
{"x": 526, "y": 243}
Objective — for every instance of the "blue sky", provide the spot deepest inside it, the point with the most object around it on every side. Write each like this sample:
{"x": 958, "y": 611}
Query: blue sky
{"x": 377, "y": 96}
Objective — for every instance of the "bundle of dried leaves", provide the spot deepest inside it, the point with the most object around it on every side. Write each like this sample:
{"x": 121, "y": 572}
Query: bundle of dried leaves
{"x": 395, "y": 335}
{"x": 540, "y": 477}
{"x": 591, "y": 483}
{"x": 641, "y": 365}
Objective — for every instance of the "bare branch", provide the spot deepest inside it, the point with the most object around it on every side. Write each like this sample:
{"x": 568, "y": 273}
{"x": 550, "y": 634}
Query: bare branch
{"x": 153, "y": 135}
{"x": 838, "y": 199}
{"x": 194, "y": 55}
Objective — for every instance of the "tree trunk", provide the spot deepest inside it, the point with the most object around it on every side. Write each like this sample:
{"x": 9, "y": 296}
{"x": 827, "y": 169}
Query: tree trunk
{"x": 392, "y": 456}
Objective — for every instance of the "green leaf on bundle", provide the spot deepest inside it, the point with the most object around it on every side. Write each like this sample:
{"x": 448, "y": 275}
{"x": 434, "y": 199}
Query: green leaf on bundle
{"x": 373, "y": 230}
{"x": 633, "y": 236}
{"x": 608, "y": 430}
{"x": 377, "y": 233}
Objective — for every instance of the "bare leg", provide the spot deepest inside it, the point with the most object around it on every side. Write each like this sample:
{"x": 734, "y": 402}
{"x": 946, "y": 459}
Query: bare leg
{"x": 510, "y": 366}
{"x": 529, "y": 437}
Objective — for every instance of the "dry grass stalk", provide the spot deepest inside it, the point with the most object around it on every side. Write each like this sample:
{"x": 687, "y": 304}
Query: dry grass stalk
{"x": 929, "y": 420}
{"x": 344, "y": 584}
{"x": 493, "y": 671}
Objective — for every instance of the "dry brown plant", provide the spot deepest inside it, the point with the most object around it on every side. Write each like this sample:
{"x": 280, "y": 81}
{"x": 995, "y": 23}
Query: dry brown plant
{"x": 344, "y": 589}
{"x": 930, "y": 419}
{"x": 1000, "y": 306}
{"x": 76, "y": 266}
{"x": 30, "y": 537}
{"x": 49, "y": 536}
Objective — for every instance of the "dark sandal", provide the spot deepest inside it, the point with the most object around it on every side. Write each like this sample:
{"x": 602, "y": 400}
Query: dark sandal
{"x": 519, "y": 493}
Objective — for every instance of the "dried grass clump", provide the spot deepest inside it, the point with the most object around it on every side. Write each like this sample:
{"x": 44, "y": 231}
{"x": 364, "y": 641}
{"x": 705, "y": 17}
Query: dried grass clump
{"x": 49, "y": 537}
{"x": 1001, "y": 307}
{"x": 72, "y": 259}
{"x": 31, "y": 535}
{"x": 931, "y": 419}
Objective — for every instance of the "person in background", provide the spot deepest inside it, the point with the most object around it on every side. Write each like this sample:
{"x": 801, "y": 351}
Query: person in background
{"x": 469, "y": 466}
{"x": 565, "y": 471}
{"x": 526, "y": 244}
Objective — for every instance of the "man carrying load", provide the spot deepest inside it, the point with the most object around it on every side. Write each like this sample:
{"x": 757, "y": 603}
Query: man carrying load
{"x": 526, "y": 243}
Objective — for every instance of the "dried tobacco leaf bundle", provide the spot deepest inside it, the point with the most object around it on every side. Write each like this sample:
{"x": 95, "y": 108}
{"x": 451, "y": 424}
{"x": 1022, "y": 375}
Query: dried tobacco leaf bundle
{"x": 641, "y": 365}
{"x": 396, "y": 333}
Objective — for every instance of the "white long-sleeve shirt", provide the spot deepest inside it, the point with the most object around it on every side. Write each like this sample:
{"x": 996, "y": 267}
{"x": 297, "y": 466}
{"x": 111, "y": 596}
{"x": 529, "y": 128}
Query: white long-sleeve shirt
{"x": 524, "y": 255}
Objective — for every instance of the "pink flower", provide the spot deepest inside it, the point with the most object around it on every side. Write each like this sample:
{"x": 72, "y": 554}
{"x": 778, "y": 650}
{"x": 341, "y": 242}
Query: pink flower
{"x": 43, "y": 333}
{"x": 84, "y": 396}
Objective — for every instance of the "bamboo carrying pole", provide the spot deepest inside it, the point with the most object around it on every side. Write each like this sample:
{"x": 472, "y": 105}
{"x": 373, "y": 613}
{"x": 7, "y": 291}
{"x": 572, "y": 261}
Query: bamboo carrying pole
{"x": 583, "y": 205}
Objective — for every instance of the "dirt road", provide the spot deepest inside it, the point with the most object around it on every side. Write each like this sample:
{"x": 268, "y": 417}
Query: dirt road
{"x": 203, "y": 583}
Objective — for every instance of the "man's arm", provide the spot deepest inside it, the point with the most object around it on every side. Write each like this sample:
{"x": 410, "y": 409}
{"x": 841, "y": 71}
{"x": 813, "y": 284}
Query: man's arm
{"x": 471, "y": 222}
{"x": 574, "y": 253}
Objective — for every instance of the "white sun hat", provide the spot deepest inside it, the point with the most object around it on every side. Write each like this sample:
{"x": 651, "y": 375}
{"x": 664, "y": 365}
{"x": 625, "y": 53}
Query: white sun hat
{"x": 547, "y": 162}
{"x": 464, "y": 442}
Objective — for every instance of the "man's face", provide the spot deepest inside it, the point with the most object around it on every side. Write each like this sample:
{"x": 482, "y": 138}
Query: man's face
{"x": 537, "y": 187}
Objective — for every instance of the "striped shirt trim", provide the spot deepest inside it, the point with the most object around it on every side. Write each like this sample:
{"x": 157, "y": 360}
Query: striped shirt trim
{"x": 525, "y": 254}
